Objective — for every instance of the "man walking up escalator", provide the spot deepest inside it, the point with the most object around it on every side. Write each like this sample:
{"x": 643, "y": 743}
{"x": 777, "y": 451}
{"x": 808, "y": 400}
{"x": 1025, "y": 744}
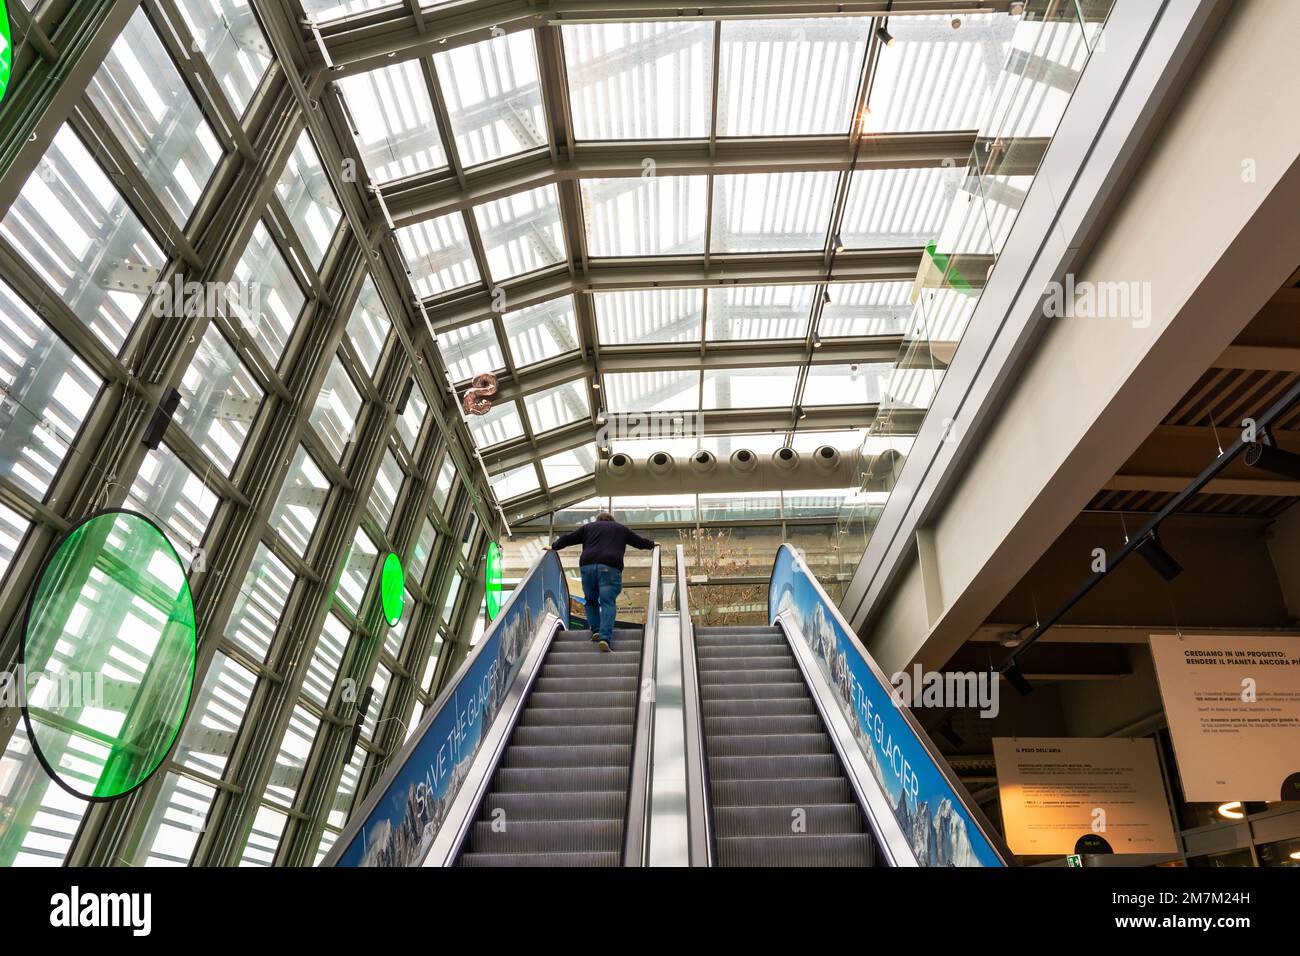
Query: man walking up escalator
{"x": 604, "y": 542}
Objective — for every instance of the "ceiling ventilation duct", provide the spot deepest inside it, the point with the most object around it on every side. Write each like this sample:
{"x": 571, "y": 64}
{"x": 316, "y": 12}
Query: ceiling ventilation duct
{"x": 703, "y": 462}
{"x": 743, "y": 461}
{"x": 826, "y": 458}
{"x": 785, "y": 459}
{"x": 620, "y": 465}
{"x": 661, "y": 464}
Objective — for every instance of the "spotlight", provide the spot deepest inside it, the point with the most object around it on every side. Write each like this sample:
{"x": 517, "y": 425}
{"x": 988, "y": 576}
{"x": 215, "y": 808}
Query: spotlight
{"x": 595, "y": 383}
{"x": 1016, "y": 8}
{"x": 802, "y": 413}
{"x": 837, "y": 243}
{"x": 1017, "y": 680}
{"x": 826, "y": 296}
{"x": 956, "y": 23}
{"x": 1232, "y": 810}
{"x": 1161, "y": 561}
{"x": 885, "y": 37}
{"x": 817, "y": 340}
{"x": 1274, "y": 459}
{"x": 947, "y": 732}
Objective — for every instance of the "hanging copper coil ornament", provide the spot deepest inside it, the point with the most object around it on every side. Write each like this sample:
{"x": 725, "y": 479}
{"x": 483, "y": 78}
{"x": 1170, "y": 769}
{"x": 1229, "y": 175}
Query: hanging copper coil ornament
{"x": 478, "y": 397}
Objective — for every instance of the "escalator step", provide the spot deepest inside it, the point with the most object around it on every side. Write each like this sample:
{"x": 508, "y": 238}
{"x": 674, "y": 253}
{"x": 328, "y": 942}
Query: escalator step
{"x": 713, "y": 652}
{"x": 808, "y": 791}
{"x": 784, "y": 675}
{"x": 744, "y": 630}
{"x": 545, "y": 700}
{"x": 747, "y": 691}
{"x": 560, "y": 779}
{"x": 784, "y": 767}
{"x": 580, "y": 685}
{"x": 569, "y": 755}
{"x": 547, "y": 836}
{"x": 750, "y": 663}
{"x": 540, "y": 859}
{"x": 561, "y": 735}
{"x": 592, "y": 805}
{"x": 806, "y": 849}
{"x": 763, "y": 724}
{"x": 587, "y": 669}
{"x": 758, "y": 706}
{"x": 734, "y": 640}
{"x": 574, "y": 716}
{"x": 765, "y": 745}
{"x": 584, "y": 655}
{"x": 819, "y": 819}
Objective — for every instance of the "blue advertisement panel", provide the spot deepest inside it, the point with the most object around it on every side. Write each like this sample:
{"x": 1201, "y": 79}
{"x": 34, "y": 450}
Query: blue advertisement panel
{"x": 416, "y": 794}
{"x": 935, "y": 819}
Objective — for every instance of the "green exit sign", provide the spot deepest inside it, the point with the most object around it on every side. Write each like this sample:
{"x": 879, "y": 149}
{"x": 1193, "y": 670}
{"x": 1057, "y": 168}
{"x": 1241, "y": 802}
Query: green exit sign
{"x": 1074, "y": 859}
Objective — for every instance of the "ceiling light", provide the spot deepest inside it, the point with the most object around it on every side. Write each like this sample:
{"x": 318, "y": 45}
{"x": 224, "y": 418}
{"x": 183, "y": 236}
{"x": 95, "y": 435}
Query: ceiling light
{"x": 1274, "y": 459}
{"x": 1161, "y": 561}
{"x": 1232, "y": 811}
{"x": 838, "y": 243}
{"x": 817, "y": 340}
{"x": 826, "y": 297}
{"x": 801, "y": 413}
{"x": 884, "y": 35}
{"x": 1295, "y": 854}
{"x": 1016, "y": 8}
{"x": 595, "y": 384}
{"x": 956, "y": 23}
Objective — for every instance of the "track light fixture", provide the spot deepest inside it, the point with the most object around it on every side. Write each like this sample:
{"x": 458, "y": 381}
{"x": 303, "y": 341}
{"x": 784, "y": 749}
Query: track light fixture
{"x": 1016, "y": 678}
{"x": 817, "y": 340}
{"x": 1271, "y": 458}
{"x": 801, "y": 413}
{"x": 948, "y": 733}
{"x": 837, "y": 243}
{"x": 1161, "y": 561}
{"x": 883, "y": 34}
{"x": 826, "y": 297}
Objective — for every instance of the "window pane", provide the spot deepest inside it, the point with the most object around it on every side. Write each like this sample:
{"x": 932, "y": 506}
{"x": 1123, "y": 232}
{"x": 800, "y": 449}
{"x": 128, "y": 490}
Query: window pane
{"x": 260, "y": 602}
{"x": 421, "y": 552}
{"x": 446, "y": 477}
{"x": 219, "y": 400}
{"x": 749, "y": 387}
{"x": 308, "y": 198}
{"x": 500, "y": 424}
{"x": 396, "y": 132}
{"x": 369, "y": 326}
{"x": 649, "y": 316}
{"x": 394, "y": 637}
{"x": 493, "y": 97}
{"x": 845, "y": 384}
{"x": 143, "y": 101}
{"x": 45, "y": 394}
{"x": 541, "y": 331}
{"x": 569, "y": 465}
{"x": 887, "y": 208}
{"x": 521, "y": 232}
{"x": 40, "y": 817}
{"x": 176, "y": 497}
{"x": 300, "y": 502}
{"x": 268, "y": 827}
{"x": 386, "y": 488}
{"x": 471, "y": 349}
{"x": 270, "y": 291}
{"x": 325, "y": 661}
{"x": 866, "y": 308}
{"x": 215, "y": 717}
{"x": 337, "y": 407}
{"x": 772, "y": 212}
{"x": 75, "y": 229}
{"x": 652, "y": 391}
{"x": 748, "y": 313}
{"x": 411, "y": 420}
{"x": 12, "y": 528}
{"x": 229, "y": 38}
{"x": 516, "y": 482}
{"x": 383, "y": 677}
{"x": 557, "y": 406}
{"x": 290, "y": 762}
{"x": 645, "y": 215}
{"x": 176, "y": 822}
{"x": 357, "y": 568}
{"x": 326, "y": 10}
{"x": 790, "y": 77}
{"x": 438, "y": 254}
{"x": 639, "y": 80}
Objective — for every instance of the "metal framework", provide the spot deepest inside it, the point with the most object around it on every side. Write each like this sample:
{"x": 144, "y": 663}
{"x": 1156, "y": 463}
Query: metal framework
{"x": 320, "y": 428}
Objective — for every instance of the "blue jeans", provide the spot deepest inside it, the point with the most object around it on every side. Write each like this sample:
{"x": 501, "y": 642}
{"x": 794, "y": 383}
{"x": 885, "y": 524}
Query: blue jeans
{"x": 601, "y": 586}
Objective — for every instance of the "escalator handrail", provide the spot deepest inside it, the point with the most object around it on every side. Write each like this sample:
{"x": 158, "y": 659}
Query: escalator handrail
{"x": 446, "y": 697}
{"x": 990, "y": 835}
{"x": 636, "y": 830}
{"x": 700, "y": 811}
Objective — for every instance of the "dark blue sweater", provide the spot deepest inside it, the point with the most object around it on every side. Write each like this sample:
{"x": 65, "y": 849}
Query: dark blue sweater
{"x": 603, "y": 542}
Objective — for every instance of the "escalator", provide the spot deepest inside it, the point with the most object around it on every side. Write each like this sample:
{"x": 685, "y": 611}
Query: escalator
{"x": 779, "y": 793}
{"x": 561, "y": 791}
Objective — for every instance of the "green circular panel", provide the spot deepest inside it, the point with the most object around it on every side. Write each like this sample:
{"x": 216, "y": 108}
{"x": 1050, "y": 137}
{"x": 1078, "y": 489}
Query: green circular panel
{"x": 392, "y": 589}
{"x": 108, "y": 655}
{"x": 492, "y": 580}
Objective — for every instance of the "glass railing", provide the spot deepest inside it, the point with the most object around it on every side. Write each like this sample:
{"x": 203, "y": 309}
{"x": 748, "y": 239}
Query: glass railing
{"x": 1047, "y": 54}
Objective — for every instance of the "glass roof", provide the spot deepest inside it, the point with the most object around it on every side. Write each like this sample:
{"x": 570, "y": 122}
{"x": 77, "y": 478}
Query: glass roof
{"x": 649, "y": 315}
{"x": 493, "y": 97}
{"x": 392, "y": 116}
{"x": 645, "y": 216}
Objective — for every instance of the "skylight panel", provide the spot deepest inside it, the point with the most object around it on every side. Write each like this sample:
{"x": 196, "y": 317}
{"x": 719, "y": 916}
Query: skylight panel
{"x": 772, "y": 212}
{"x": 640, "y": 80}
{"x": 865, "y": 308}
{"x": 790, "y": 77}
{"x": 369, "y": 326}
{"x": 269, "y": 298}
{"x": 521, "y": 232}
{"x": 309, "y": 200}
{"x": 569, "y": 465}
{"x": 438, "y": 254}
{"x": 554, "y": 407}
{"x": 515, "y": 482}
{"x": 649, "y": 316}
{"x": 749, "y": 313}
{"x": 889, "y": 208}
{"x": 471, "y": 349}
{"x": 763, "y": 387}
{"x": 846, "y": 384}
{"x": 228, "y": 36}
{"x": 645, "y": 215}
{"x": 143, "y": 101}
{"x": 393, "y": 121}
{"x": 493, "y": 97}
{"x": 502, "y": 423}
{"x": 652, "y": 391}
{"x": 324, "y": 11}
{"x": 542, "y": 331}
{"x": 219, "y": 400}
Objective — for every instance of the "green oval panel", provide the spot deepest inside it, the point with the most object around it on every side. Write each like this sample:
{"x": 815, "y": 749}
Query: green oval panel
{"x": 492, "y": 580}
{"x": 392, "y": 589}
{"x": 108, "y": 655}
{"x": 6, "y": 50}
